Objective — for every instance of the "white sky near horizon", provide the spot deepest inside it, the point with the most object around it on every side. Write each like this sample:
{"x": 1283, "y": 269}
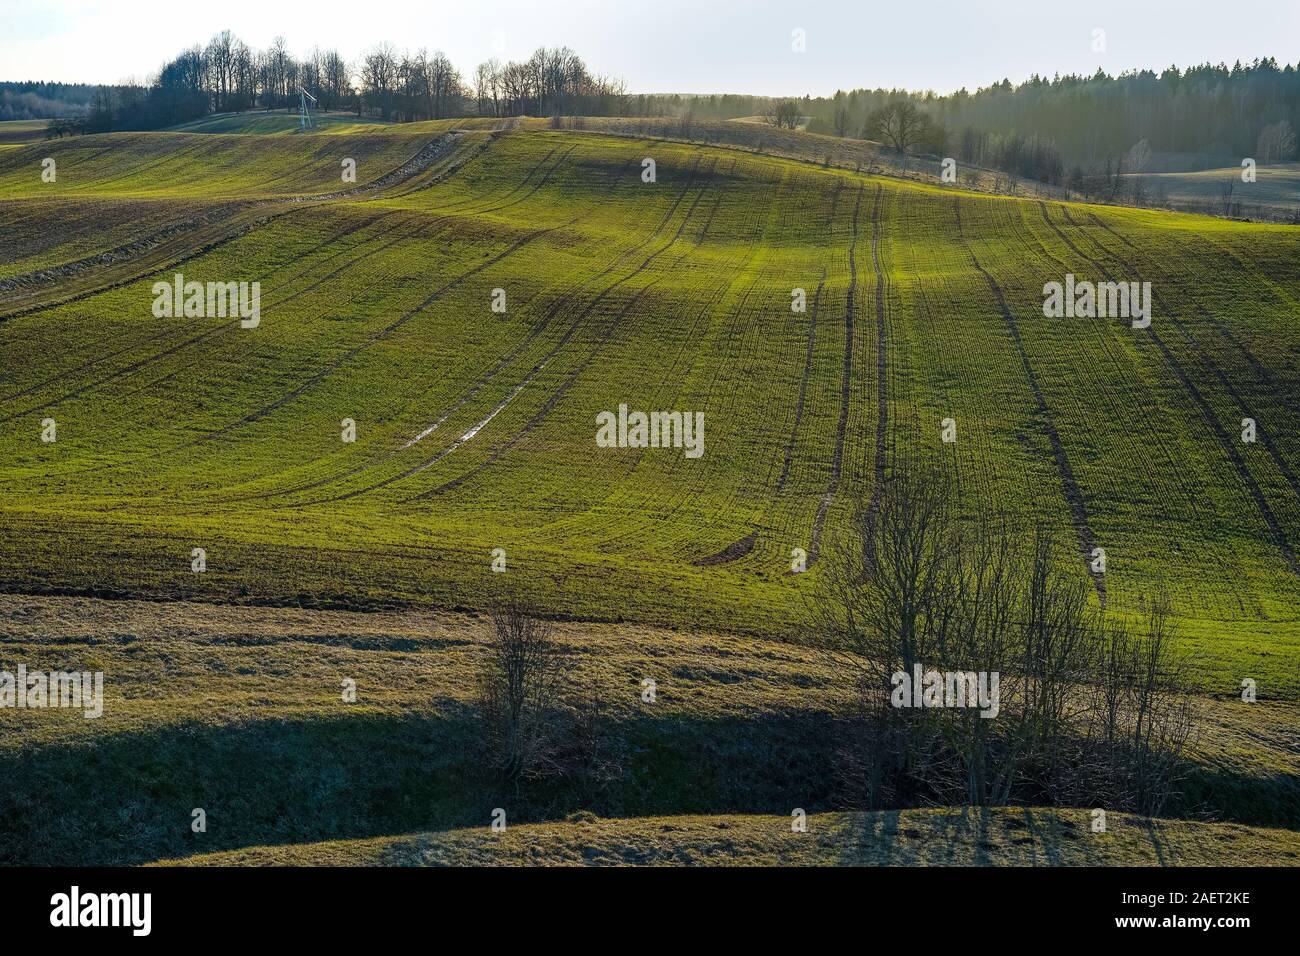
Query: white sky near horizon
{"x": 667, "y": 46}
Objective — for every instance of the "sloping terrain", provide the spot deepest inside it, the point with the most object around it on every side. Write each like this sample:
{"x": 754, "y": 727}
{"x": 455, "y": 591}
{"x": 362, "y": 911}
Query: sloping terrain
{"x": 278, "y": 122}
{"x": 240, "y": 712}
{"x": 1275, "y": 193}
{"x": 19, "y": 132}
{"x": 966, "y": 837}
{"x": 475, "y": 429}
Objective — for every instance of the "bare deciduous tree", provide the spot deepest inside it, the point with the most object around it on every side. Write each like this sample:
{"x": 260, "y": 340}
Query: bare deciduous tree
{"x": 1086, "y": 709}
{"x": 783, "y": 114}
{"x": 1276, "y": 142}
{"x": 520, "y": 692}
{"x": 900, "y": 125}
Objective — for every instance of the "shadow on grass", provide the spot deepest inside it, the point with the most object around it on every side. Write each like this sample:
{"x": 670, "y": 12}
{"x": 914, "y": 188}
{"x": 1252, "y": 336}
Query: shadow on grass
{"x": 129, "y": 798}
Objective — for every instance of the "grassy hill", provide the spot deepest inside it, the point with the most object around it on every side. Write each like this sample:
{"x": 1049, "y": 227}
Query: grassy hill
{"x": 278, "y": 122}
{"x": 19, "y": 132}
{"x": 1275, "y": 194}
{"x": 239, "y": 711}
{"x": 934, "y": 837}
{"x": 475, "y": 430}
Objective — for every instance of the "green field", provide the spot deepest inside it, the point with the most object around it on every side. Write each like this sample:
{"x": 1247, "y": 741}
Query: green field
{"x": 266, "y": 121}
{"x": 475, "y": 430}
{"x": 20, "y": 132}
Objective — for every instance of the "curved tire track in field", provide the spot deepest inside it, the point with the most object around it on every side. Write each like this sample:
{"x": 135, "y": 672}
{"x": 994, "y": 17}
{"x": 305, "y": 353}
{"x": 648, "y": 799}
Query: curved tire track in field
{"x": 1069, "y": 484}
{"x": 846, "y": 383}
{"x": 173, "y": 349}
{"x": 551, "y": 312}
{"x": 705, "y": 306}
{"x": 1203, "y": 404}
{"x": 559, "y": 346}
{"x": 419, "y": 227}
{"x": 732, "y": 552}
{"x": 1265, "y": 375}
{"x": 317, "y": 377}
{"x": 426, "y": 157}
{"x": 1130, "y": 383}
{"x": 882, "y": 382}
{"x": 537, "y": 418}
{"x": 350, "y": 230}
{"x": 384, "y": 332}
{"x": 803, "y": 386}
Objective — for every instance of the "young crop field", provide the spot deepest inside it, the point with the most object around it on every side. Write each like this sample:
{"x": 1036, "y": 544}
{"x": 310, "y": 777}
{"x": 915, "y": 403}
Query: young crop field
{"x": 279, "y": 122}
{"x": 475, "y": 427}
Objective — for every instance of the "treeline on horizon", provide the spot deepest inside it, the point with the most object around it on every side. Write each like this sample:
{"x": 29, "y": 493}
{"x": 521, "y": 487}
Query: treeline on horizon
{"x": 1052, "y": 130}
{"x": 33, "y": 100}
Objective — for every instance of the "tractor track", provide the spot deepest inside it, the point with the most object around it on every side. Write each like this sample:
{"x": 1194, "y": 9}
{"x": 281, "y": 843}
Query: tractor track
{"x": 551, "y": 312}
{"x": 425, "y": 158}
{"x": 846, "y": 384}
{"x": 420, "y": 226}
{"x": 1203, "y": 405}
{"x": 882, "y": 382}
{"x": 803, "y": 386}
{"x": 563, "y": 341}
{"x": 1069, "y": 484}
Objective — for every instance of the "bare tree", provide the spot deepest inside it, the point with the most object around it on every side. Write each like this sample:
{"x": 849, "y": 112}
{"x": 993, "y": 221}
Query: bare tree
{"x": 336, "y": 83}
{"x": 220, "y": 58}
{"x": 900, "y": 125}
{"x": 520, "y": 693}
{"x": 1276, "y": 143}
{"x": 1139, "y": 156}
{"x": 277, "y": 64}
{"x": 379, "y": 78}
{"x": 1083, "y": 709}
{"x": 783, "y": 114}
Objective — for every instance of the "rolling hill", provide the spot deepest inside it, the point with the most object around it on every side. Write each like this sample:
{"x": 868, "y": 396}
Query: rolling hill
{"x": 966, "y": 837}
{"x": 238, "y": 711}
{"x": 475, "y": 430}
{"x": 1273, "y": 195}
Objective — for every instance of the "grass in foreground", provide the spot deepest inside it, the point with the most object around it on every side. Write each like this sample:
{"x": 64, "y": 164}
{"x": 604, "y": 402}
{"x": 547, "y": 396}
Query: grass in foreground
{"x": 239, "y": 710}
{"x": 933, "y": 837}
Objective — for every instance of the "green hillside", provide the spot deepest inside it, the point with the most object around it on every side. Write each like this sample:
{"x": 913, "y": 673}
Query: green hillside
{"x": 265, "y": 121}
{"x": 18, "y": 132}
{"x": 476, "y": 430}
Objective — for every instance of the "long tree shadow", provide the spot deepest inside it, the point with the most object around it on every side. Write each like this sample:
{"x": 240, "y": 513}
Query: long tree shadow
{"x": 132, "y": 797}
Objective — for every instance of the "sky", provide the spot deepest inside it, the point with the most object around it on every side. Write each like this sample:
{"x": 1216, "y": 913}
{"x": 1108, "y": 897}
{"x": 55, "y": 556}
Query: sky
{"x": 675, "y": 46}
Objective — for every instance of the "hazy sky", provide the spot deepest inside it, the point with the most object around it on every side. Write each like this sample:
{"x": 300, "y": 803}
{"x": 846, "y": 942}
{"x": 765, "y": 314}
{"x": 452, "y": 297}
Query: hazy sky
{"x": 674, "y": 45}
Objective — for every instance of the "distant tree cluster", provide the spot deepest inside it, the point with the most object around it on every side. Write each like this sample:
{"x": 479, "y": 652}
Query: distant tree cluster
{"x": 1028, "y": 156}
{"x": 1205, "y": 115}
{"x": 29, "y": 100}
{"x": 783, "y": 114}
{"x": 1083, "y": 132}
{"x": 409, "y": 87}
{"x": 552, "y": 82}
{"x": 227, "y": 75}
